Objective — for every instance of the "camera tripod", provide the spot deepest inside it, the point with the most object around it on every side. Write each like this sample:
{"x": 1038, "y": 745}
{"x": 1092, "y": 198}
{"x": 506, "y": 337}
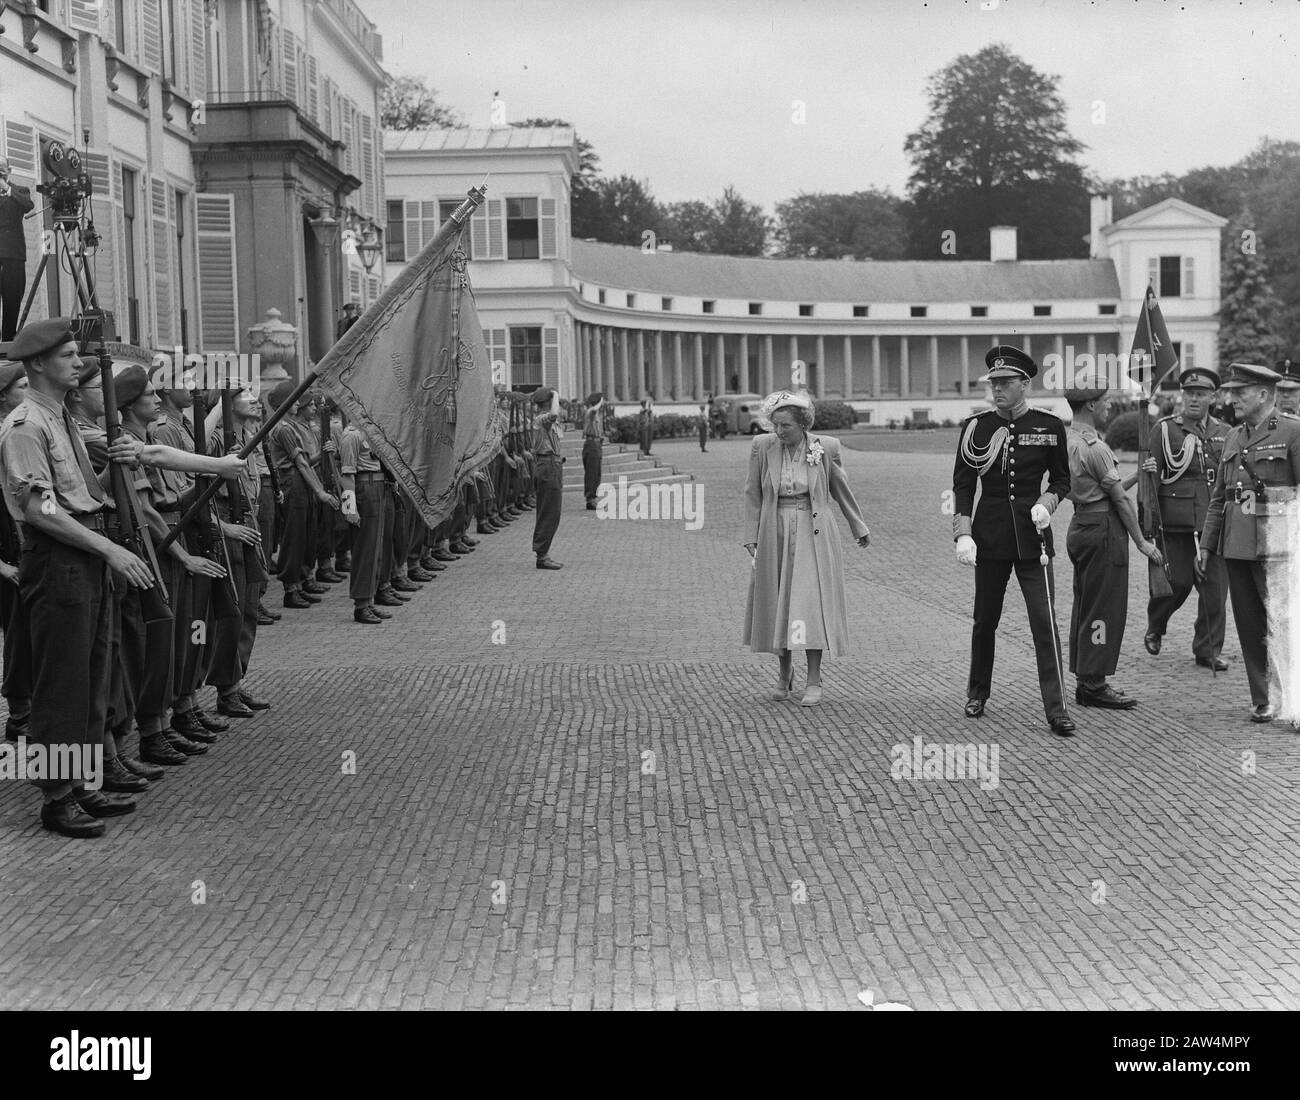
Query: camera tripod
{"x": 71, "y": 239}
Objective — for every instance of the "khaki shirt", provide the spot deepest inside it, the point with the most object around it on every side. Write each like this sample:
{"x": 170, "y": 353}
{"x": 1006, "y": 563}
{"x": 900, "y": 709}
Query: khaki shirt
{"x": 1093, "y": 467}
{"x": 172, "y": 431}
{"x": 40, "y": 450}
{"x": 355, "y": 454}
{"x": 546, "y": 435}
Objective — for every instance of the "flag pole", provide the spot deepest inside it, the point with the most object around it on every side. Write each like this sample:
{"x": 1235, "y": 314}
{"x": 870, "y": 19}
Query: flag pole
{"x": 454, "y": 224}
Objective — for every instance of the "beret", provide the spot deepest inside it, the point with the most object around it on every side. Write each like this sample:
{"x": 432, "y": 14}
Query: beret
{"x": 88, "y": 373}
{"x": 10, "y": 373}
{"x": 1250, "y": 374}
{"x": 1200, "y": 377}
{"x": 1089, "y": 384}
{"x": 38, "y": 337}
{"x": 543, "y": 396}
{"x": 280, "y": 394}
{"x": 129, "y": 385}
{"x": 1007, "y": 361}
{"x": 595, "y": 398}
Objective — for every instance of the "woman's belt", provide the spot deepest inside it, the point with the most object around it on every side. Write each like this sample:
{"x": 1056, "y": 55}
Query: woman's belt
{"x": 803, "y": 503}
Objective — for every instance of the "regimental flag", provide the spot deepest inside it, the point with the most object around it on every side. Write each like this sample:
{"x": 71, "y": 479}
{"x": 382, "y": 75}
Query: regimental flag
{"x": 1152, "y": 356}
{"x": 413, "y": 374}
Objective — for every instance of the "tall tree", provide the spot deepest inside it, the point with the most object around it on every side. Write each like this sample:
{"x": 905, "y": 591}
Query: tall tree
{"x": 623, "y": 209}
{"x": 866, "y": 225}
{"x": 691, "y": 226}
{"x": 994, "y": 150}
{"x": 583, "y": 204}
{"x": 1248, "y": 310}
{"x": 741, "y": 226}
{"x": 410, "y": 104}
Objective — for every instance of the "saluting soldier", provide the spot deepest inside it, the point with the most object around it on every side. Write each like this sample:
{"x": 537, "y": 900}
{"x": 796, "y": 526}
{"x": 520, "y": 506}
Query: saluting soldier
{"x": 549, "y": 478}
{"x": 68, "y": 565}
{"x": 1186, "y": 451}
{"x": 1288, "y": 387}
{"x": 1248, "y": 521}
{"x": 13, "y": 613}
{"x": 1095, "y": 543}
{"x": 1008, "y": 451}
{"x": 593, "y": 438}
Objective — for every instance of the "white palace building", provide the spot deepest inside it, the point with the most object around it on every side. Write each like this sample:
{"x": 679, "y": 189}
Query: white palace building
{"x": 898, "y": 339}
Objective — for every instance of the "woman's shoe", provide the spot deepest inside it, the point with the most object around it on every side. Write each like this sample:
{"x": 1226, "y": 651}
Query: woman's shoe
{"x": 782, "y": 692}
{"x": 812, "y": 695}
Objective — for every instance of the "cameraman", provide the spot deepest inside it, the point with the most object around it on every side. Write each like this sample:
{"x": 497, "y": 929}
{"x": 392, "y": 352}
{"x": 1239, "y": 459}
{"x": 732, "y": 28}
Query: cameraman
{"x": 15, "y": 201}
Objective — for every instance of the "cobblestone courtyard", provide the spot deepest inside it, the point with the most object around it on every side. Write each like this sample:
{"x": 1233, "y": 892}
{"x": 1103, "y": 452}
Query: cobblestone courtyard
{"x": 601, "y": 810}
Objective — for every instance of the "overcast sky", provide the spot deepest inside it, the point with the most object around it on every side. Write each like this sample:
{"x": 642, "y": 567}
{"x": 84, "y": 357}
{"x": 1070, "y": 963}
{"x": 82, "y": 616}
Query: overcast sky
{"x": 692, "y": 96}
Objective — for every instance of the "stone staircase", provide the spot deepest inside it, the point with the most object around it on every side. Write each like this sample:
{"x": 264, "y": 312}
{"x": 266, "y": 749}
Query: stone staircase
{"x": 619, "y": 460}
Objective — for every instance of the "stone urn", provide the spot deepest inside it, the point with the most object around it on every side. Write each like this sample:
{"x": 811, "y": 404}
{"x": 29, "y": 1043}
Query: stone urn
{"x": 275, "y": 343}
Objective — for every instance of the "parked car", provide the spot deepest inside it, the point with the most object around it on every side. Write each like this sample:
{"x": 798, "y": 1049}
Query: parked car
{"x": 743, "y": 412}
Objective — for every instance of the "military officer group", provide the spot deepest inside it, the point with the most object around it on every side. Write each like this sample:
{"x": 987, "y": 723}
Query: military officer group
{"x": 87, "y": 661}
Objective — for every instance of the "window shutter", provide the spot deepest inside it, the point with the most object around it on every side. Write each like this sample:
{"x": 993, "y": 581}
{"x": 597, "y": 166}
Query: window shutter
{"x": 164, "y": 332}
{"x": 83, "y": 15}
{"x": 478, "y": 233}
{"x": 151, "y": 36}
{"x": 1153, "y": 272}
{"x": 20, "y": 148}
{"x": 313, "y": 91}
{"x": 1188, "y": 286}
{"x": 495, "y": 338}
{"x": 372, "y": 289}
{"x": 496, "y": 249}
{"x": 104, "y": 262}
{"x": 218, "y": 302}
{"x": 327, "y": 107}
{"x": 551, "y": 357}
{"x": 367, "y": 166}
{"x": 354, "y": 284}
{"x": 289, "y": 54}
{"x": 411, "y": 227}
{"x": 547, "y": 229}
{"x": 198, "y": 49}
{"x": 348, "y": 158}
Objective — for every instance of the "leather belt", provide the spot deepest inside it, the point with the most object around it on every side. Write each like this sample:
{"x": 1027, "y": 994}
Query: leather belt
{"x": 1094, "y": 506}
{"x": 170, "y": 516}
{"x": 804, "y": 504}
{"x": 369, "y": 475}
{"x": 94, "y": 522}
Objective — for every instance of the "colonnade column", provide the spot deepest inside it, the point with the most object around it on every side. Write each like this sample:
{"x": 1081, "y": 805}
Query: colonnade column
{"x": 934, "y": 366}
{"x": 638, "y": 384}
{"x": 794, "y": 355}
{"x": 848, "y": 368}
{"x": 720, "y": 364}
{"x": 742, "y": 365}
{"x": 964, "y": 382}
{"x": 766, "y": 362}
{"x": 609, "y": 363}
{"x": 698, "y": 357}
{"x": 904, "y": 368}
{"x": 875, "y": 366}
{"x": 624, "y": 392}
{"x": 677, "y": 366}
{"x": 659, "y": 389}
{"x": 821, "y": 367}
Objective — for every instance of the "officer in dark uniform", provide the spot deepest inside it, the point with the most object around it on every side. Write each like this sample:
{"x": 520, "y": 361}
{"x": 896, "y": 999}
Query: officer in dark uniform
{"x": 1007, "y": 451}
{"x": 1288, "y": 387}
{"x": 1249, "y": 525}
{"x": 549, "y": 477}
{"x": 1095, "y": 543}
{"x": 1186, "y": 451}
{"x": 68, "y": 565}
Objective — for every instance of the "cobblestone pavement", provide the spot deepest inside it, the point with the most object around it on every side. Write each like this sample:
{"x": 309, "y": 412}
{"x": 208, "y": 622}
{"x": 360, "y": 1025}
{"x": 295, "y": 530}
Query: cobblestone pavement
{"x": 601, "y": 810}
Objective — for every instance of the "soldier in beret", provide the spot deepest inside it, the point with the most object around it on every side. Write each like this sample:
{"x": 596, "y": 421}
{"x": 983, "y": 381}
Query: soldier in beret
{"x": 56, "y": 499}
{"x": 1095, "y": 543}
{"x": 593, "y": 440}
{"x": 13, "y": 615}
{"x": 548, "y": 479}
{"x": 1249, "y": 524}
{"x": 1288, "y": 387}
{"x": 1186, "y": 451}
{"x": 1008, "y": 451}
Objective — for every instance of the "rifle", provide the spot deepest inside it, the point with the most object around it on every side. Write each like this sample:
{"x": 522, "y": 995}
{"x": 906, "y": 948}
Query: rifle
{"x": 211, "y": 542}
{"x": 329, "y": 473}
{"x": 240, "y": 506}
{"x": 130, "y": 516}
{"x": 1149, "y": 519}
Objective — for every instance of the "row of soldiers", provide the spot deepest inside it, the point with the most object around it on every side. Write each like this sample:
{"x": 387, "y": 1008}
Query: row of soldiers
{"x": 1226, "y": 522}
{"x": 92, "y": 656}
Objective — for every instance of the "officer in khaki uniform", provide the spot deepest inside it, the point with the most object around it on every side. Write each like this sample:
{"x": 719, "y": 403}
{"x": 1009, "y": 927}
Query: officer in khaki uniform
{"x": 1097, "y": 548}
{"x": 1186, "y": 451}
{"x": 1248, "y": 520}
{"x": 1288, "y": 387}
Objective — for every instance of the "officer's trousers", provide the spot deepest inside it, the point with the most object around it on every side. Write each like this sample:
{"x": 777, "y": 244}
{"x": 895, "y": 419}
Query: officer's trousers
{"x": 1248, "y": 585}
{"x": 592, "y": 455}
{"x": 548, "y": 481}
{"x": 164, "y": 662}
{"x": 364, "y": 580}
{"x": 233, "y": 637}
{"x": 1212, "y": 593}
{"x": 17, "y": 649}
{"x": 295, "y": 534}
{"x": 67, "y": 595}
{"x": 1038, "y": 586}
{"x": 1098, "y": 548}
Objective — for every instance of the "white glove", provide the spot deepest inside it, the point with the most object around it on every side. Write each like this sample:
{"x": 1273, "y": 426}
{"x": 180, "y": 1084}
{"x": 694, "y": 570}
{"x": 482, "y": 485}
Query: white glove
{"x": 966, "y": 550}
{"x": 1041, "y": 516}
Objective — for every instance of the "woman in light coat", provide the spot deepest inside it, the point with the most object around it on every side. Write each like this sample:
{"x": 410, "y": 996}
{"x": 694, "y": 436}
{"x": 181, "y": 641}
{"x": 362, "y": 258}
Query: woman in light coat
{"x": 796, "y": 594}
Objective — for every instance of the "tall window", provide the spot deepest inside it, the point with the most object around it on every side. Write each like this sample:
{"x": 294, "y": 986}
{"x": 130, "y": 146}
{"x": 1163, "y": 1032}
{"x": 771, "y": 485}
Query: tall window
{"x": 526, "y": 355}
{"x": 132, "y": 289}
{"x": 522, "y": 237}
{"x": 395, "y": 238}
{"x": 1172, "y": 276}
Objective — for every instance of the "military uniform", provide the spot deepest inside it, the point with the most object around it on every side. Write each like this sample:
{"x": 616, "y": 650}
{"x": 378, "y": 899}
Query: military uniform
{"x": 1187, "y": 458}
{"x": 17, "y": 684}
{"x": 1008, "y": 456}
{"x": 548, "y": 481}
{"x": 1288, "y": 386}
{"x": 1250, "y": 525}
{"x": 372, "y": 494}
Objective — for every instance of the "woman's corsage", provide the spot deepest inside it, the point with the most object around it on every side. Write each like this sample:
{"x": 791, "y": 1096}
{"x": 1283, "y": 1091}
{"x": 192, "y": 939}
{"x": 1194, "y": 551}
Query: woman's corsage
{"x": 815, "y": 452}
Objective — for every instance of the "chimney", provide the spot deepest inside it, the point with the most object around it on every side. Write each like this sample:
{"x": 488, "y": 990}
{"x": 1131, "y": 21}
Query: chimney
{"x": 1002, "y": 242}
{"x": 1101, "y": 217}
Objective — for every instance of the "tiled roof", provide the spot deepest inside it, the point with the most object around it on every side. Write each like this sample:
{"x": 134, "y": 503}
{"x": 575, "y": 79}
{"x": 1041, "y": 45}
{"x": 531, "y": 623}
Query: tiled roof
{"x": 500, "y": 137}
{"x": 697, "y": 274}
